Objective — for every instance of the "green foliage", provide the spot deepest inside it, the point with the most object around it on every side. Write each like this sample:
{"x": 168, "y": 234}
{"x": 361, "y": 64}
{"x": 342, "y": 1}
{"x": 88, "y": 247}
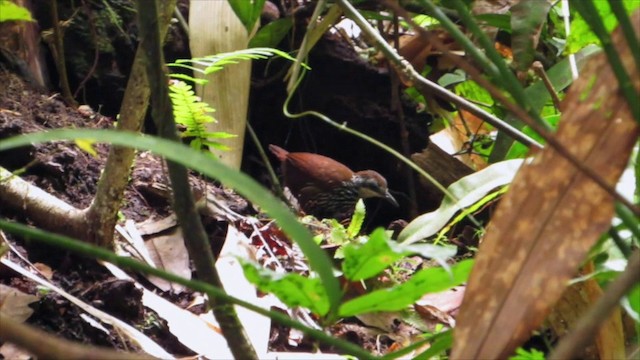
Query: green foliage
{"x": 527, "y": 17}
{"x": 242, "y": 183}
{"x": 271, "y": 34}
{"x": 522, "y": 354}
{"x": 518, "y": 151}
{"x": 400, "y": 296}
{"x": 582, "y": 35}
{"x": 357, "y": 220}
{"x": 365, "y": 258}
{"x": 189, "y": 111}
{"x": 210, "y": 64}
{"x": 364, "y": 261}
{"x": 248, "y": 11}
{"x": 10, "y": 11}
{"x": 467, "y": 191}
{"x": 292, "y": 289}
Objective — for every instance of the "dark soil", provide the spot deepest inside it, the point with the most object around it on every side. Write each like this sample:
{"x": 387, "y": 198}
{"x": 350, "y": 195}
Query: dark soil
{"x": 69, "y": 173}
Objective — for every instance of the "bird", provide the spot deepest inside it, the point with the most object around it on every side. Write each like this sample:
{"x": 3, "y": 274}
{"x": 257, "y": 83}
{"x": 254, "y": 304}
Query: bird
{"x": 326, "y": 188}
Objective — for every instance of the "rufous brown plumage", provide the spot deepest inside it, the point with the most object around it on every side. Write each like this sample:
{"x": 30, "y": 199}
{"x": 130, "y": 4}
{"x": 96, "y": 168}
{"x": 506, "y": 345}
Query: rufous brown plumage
{"x": 326, "y": 188}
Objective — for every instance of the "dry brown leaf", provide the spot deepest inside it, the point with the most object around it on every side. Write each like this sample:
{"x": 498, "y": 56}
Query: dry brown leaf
{"x": 550, "y": 218}
{"x": 169, "y": 253}
{"x": 574, "y": 303}
{"x": 15, "y": 304}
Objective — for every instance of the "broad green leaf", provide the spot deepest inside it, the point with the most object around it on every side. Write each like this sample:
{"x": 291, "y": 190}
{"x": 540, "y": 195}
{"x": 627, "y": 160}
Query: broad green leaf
{"x": 581, "y": 34}
{"x": 527, "y": 18}
{"x": 209, "y": 166}
{"x": 471, "y": 90}
{"x": 271, "y": 34}
{"x": 10, "y": 11}
{"x": 520, "y": 151}
{"x": 399, "y": 297}
{"x": 291, "y": 288}
{"x": 248, "y": 11}
{"x": 467, "y": 191}
{"x": 363, "y": 261}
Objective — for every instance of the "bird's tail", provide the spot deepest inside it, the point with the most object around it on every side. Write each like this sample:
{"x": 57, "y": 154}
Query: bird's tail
{"x": 279, "y": 152}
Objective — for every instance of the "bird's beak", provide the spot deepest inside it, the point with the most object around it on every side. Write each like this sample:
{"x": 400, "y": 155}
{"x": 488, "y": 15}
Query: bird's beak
{"x": 390, "y": 198}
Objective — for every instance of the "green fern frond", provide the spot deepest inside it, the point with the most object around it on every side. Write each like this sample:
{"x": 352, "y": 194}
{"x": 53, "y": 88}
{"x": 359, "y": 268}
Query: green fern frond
{"x": 193, "y": 114}
{"x": 213, "y": 63}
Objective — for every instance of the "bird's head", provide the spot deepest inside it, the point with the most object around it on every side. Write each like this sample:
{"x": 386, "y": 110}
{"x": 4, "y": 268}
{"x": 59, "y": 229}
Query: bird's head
{"x": 371, "y": 184}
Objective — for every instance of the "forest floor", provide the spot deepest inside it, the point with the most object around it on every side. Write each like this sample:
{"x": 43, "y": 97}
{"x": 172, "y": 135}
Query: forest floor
{"x": 64, "y": 170}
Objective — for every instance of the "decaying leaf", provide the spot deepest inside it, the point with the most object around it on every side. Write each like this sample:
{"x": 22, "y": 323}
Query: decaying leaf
{"x": 550, "y": 218}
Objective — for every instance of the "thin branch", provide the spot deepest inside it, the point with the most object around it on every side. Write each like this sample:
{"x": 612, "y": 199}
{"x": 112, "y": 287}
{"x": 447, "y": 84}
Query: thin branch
{"x": 426, "y": 85}
{"x": 47, "y": 346}
{"x": 589, "y": 324}
{"x": 58, "y": 41}
{"x": 194, "y": 233}
{"x": 95, "y": 252}
{"x": 496, "y": 94}
{"x": 539, "y": 69}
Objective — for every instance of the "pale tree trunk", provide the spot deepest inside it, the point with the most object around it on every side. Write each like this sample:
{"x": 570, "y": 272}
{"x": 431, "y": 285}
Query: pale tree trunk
{"x": 214, "y": 28}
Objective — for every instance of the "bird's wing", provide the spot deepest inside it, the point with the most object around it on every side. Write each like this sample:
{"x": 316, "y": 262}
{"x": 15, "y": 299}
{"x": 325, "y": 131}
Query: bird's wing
{"x": 304, "y": 169}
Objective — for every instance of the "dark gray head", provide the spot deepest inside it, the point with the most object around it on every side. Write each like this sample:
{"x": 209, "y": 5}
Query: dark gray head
{"x": 371, "y": 184}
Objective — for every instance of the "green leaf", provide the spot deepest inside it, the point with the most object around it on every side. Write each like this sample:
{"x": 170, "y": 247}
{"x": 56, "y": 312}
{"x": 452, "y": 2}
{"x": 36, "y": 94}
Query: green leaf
{"x": 532, "y": 354}
{"x": 453, "y": 78}
{"x": 369, "y": 259}
{"x": 364, "y": 261}
{"x": 439, "y": 253}
{"x": 356, "y": 220}
{"x": 581, "y": 34}
{"x": 527, "y": 18}
{"x": 271, "y": 34}
{"x": 468, "y": 191}
{"x": 248, "y": 11}
{"x": 538, "y": 95}
{"x": 398, "y": 297}
{"x": 520, "y": 151}
{"x": 441, "y": 343}
{"x": 10, "y": 11}
{"x": 471, "y": 90}
{"x": 501, "y": 21}
{"x": 87, "y": 146}
{"x": 213, "y": 63}
{"x": 292, "y": 289}
{"x": 209, "y": 166}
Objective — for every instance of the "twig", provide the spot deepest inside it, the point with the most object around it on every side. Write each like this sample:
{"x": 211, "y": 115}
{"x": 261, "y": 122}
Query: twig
{"x": 47, "y": 346}
{"x": 195, "y": 237}
{"x": 539, "y": 69}
{"x": 59, "y": 58}
{"x": 429, "y": 86}
{"x": 495, "y": 93}
{"x": 96, "y": 52}
{"x": 95, "y": 252}
{"x": 396, "y": 107}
